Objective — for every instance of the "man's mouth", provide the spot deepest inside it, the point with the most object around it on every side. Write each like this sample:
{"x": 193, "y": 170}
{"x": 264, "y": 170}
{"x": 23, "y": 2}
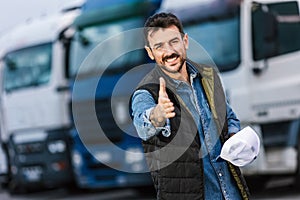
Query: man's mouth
{"x": 171, "y": 58}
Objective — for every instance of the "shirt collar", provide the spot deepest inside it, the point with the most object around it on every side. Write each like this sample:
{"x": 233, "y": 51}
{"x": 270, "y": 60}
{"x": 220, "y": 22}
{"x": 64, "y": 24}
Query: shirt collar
{"x": 192, "y": 72}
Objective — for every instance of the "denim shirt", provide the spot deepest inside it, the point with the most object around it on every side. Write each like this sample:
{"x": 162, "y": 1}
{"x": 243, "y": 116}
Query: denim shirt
{"x": 218, "y": 181}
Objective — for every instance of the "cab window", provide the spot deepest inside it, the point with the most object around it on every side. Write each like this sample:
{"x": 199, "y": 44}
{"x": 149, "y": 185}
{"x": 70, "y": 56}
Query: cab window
{"x": 28, "y": 67}
{"x": 275, "y": 29}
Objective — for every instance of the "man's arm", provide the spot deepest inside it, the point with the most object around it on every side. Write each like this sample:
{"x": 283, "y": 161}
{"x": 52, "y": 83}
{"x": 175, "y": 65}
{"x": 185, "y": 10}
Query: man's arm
{"x": 233, "y": 121}
{"x": 142, "y": 106}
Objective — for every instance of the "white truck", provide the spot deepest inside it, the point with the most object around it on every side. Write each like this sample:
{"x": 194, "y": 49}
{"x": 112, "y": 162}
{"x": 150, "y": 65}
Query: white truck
{"x": 35, "y": 102}
{"x": 256, "y": 46}
{"x": 3, "y": 155}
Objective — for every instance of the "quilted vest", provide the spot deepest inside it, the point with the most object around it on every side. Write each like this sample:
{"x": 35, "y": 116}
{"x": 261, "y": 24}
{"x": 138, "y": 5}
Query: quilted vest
{"x": 175, "y": 162}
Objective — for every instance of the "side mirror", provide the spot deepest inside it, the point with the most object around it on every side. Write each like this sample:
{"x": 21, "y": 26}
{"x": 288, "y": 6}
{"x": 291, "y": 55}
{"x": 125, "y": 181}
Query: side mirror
{"x": 67, "y": 35}
{"x": 270, "y": 34}
{"x": 264, "y": 32}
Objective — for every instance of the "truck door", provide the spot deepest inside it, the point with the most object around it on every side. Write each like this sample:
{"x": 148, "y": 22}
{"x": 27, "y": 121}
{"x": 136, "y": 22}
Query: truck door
{"x": 275, "y": 78}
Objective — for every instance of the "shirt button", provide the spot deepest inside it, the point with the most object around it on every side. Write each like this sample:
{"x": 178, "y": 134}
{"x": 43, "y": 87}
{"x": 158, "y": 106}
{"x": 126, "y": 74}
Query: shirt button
{"x": 220, "y": 174}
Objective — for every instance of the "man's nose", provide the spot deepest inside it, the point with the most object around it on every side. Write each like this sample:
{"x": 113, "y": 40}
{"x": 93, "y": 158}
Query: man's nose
{"x": 168, "y": 48}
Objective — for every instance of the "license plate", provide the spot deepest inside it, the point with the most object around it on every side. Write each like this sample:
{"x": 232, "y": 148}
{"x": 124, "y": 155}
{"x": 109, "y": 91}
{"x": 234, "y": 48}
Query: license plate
{"x": 32, "y": 174}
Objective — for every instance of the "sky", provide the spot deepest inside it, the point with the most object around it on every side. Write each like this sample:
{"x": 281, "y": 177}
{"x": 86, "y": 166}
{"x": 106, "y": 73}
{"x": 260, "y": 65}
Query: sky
{"x": 13, "y": 12}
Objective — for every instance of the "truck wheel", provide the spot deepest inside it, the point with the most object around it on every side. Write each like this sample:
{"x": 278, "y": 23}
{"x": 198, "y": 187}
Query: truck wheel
{"x": 15, "y": 188}
{"x": 297, "y": 175}
{"x": 257, "y": 183}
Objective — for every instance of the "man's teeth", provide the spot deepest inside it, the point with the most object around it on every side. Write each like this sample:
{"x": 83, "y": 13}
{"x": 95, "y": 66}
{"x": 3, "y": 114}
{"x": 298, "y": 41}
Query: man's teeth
{"x": 171, "y": 59}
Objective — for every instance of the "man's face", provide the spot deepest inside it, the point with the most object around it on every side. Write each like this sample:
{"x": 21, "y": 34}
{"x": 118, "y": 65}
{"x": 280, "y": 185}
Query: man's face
{"x": 168, "y": 48}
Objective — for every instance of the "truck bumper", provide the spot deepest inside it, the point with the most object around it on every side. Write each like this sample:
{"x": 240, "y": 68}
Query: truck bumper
{"x": 41, "y": 164}
{"x": 273, "y": 161}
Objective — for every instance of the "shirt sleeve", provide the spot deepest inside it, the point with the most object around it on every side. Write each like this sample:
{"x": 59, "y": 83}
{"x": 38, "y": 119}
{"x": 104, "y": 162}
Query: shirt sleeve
{"x": 233, "y": 121}
{"x": 142, "y": 104}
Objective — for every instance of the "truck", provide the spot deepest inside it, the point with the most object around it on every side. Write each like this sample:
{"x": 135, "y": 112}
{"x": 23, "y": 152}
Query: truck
{"x": 38, "y": 120}
{"x": 255, "y": 45}
{"x": 106, "y": 151}
{"x": 35, "y": 99}
{"x": 3, "y": 154}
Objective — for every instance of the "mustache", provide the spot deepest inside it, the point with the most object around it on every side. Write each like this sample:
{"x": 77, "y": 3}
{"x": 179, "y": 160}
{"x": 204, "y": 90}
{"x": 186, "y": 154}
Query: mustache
{"x": 170, "y": 56}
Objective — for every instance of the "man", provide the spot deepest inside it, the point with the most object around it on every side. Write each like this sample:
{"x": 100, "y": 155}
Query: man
{"x": 180, "y": 112}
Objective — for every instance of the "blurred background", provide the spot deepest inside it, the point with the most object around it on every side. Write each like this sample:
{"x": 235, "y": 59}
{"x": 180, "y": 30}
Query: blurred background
{"x": 16, "y": 12}
{"x": 68, "y": 68}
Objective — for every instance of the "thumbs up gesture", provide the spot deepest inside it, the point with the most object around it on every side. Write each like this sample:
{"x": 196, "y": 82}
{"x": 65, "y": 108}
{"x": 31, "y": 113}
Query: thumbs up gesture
{"x": 164, "y": 109}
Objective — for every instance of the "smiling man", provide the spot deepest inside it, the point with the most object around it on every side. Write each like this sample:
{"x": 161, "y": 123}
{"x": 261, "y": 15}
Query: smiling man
{"x": 168, "y": 48}
{"x": 181, "y": 114}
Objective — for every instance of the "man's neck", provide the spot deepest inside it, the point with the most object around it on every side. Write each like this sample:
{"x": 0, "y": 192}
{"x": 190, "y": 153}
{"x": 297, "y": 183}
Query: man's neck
{"x": 182, "y": 75}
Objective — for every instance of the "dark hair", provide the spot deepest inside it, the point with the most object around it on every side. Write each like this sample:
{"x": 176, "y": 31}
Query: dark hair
{"x": 161, "y": 20}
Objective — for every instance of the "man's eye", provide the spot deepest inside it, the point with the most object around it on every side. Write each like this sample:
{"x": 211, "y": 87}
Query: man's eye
{"x": 174, "y": 41}
{"x": 157, "y": 47}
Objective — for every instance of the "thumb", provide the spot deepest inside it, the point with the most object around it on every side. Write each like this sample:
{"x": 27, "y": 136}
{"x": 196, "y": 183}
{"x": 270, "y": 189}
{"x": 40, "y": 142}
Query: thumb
{"x": 162, "y": 87}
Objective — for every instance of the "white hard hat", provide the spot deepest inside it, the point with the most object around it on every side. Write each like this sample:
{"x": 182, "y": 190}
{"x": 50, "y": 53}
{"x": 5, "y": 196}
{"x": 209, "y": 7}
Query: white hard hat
{"x": 242, "y": 148}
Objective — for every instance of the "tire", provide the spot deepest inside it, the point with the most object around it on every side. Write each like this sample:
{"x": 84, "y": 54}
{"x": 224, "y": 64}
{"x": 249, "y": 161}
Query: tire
{"x": 257, "y": 184}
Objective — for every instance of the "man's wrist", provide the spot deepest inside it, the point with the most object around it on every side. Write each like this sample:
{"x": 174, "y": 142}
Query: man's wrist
{"x": 156, "y": 121}
{"x": 231, "y": 134}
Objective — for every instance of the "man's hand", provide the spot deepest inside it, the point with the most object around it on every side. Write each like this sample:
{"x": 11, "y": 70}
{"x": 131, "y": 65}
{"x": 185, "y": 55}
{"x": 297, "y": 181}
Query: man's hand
{"x": 164, "y": 109}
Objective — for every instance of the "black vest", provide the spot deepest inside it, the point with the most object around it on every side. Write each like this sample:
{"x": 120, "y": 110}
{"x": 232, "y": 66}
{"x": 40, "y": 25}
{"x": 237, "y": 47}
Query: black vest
{"x": 175, "y": 162}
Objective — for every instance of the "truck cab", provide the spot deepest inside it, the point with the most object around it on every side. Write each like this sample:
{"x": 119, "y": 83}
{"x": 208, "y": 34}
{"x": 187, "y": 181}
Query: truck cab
{"x": 3, "y": 153}
{"x": 35, "y": 103}
{"x": 107, "y": 152}
{"x": 255, "y": 45}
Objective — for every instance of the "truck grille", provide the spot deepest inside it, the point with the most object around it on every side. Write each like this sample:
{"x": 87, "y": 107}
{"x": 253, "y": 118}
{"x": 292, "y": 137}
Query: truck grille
{"x": 27, "y": 148}
{"x": 276, "y": 134}
{"x": 89, "y": 127}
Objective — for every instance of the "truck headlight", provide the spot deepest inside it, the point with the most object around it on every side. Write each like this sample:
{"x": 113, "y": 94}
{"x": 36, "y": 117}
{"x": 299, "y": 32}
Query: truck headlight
{"x": 76, "y": 159}
{"x": 121, "y": 112}
{"x": 134, "y": 155}
{"x": 57, "y": 146}
{"x": 103, "y": 156}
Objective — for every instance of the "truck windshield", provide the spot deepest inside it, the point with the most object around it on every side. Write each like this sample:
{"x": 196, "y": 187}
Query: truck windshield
{"x": 27, "y": 67}
{"x": 87, "y": 38}
{"x": 219, "y": 38}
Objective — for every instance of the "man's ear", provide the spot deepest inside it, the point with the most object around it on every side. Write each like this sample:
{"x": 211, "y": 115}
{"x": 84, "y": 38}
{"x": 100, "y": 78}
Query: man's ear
{"x": 186, "y": 41}
{"x": 149, "y": 51}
